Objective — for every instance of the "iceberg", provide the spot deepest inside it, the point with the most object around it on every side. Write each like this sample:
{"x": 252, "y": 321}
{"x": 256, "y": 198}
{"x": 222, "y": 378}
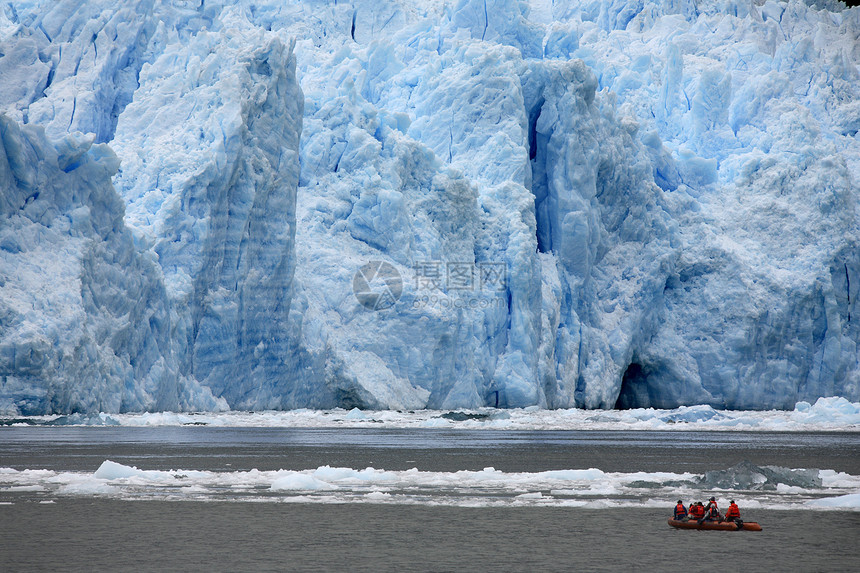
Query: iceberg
{"x": 748, "y": 476}
{"x": 403, "y": 205}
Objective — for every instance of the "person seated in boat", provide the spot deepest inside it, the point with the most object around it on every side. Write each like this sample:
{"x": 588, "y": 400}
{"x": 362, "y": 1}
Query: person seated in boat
{"x": 712, "y": 512}
{"x": 697, "y": 510}
{"x": 680, "y": 511}
{"x": 732, "y": 513}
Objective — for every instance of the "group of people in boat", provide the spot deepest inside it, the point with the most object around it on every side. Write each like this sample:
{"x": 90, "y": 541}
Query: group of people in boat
{"x": 709, "y": 512}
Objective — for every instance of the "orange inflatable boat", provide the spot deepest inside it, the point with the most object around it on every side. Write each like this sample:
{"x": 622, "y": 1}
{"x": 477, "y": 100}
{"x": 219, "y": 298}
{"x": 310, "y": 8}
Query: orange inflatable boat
{"x": 717, "y": 525}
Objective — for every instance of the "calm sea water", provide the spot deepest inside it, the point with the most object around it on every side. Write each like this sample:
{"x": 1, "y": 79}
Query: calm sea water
{"x": 44, "y": 530}
{"x": 213, "y": 448}
{"x": 108, "y": 535}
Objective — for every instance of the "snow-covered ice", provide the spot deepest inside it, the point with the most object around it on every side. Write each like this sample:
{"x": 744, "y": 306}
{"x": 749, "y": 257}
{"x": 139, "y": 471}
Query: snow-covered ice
{"x": 632, "y": 204}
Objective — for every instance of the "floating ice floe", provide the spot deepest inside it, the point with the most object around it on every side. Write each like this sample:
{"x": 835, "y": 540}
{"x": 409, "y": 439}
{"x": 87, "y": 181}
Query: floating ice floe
{"x": 487, "y": 487}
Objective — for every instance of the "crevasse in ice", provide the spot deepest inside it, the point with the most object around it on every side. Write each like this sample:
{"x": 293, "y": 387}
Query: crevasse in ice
{"x": 402, "y": 205}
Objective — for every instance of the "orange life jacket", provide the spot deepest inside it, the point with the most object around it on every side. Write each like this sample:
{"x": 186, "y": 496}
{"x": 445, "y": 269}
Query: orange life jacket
{"x": 680, "y": 511}
{"x": 697, "y": 511}
{"x": 733, "y": 511}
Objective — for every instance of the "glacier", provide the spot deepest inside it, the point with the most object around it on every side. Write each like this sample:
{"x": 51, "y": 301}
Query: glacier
{"x": 402, "y": 205}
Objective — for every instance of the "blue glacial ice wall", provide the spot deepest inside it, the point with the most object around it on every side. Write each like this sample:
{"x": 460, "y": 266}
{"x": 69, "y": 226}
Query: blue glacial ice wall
{"x": 84, "y": 315}
{"x": 560, "y": 204}
{"x": 209, "y": 152}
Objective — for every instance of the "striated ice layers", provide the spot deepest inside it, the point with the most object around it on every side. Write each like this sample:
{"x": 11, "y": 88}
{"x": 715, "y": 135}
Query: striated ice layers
{"x": 403, "y": 205}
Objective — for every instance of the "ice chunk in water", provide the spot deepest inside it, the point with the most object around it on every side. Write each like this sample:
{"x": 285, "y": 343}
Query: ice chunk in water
{"x": 747, "y": 475}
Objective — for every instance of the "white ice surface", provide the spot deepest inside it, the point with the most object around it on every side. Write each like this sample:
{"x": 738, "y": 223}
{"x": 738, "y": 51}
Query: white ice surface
{"x": 589, "y": 488}
{"x": 848, "y": 501}
{"x": 827, "y": 414}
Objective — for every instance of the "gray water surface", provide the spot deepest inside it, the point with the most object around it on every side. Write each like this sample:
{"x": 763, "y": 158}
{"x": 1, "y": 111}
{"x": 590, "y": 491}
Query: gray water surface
{"x": 110, "y": 535}
{"x": 212, "y": 448}
{"x": 43, "y": 531}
